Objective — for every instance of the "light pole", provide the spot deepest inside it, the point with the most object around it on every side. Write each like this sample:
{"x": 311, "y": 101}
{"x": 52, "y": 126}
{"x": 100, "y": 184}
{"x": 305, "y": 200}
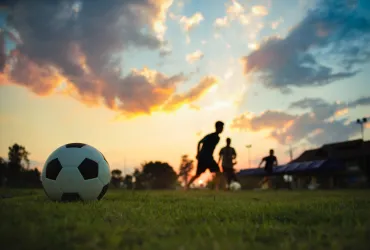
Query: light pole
{"x": 249, "y": 146}
{"x": 362, "y": 122}
{"x": 291, "y": 152}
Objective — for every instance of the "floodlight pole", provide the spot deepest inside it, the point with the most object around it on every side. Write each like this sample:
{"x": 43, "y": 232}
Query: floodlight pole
{"x": 249, "y": 146}
{"x": 290, "y": 152}
{"x": 362, "y": 122}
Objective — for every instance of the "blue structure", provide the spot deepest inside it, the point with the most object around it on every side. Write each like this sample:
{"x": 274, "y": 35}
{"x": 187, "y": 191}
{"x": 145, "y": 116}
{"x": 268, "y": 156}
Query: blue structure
{"x": 307, "y": 167}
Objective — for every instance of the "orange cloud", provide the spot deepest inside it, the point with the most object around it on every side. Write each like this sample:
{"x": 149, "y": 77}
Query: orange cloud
{"x": 266, "y": 120}
{"x": 192, "y": 95}
{"x": 195, "y": 56}
{"x": 140, "y": 92}
{"x": 158, "y": 22}
{"x": 40, "y": 80}
{"x": 341, "y": 112}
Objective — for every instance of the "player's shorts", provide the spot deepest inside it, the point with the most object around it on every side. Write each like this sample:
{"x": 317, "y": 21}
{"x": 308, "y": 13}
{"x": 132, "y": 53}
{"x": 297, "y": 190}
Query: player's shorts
{"x": 207, "y": 163}
{"x": 268, "y": 171}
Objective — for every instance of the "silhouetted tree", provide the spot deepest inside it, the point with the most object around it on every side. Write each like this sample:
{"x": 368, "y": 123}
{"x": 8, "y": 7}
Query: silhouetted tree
{"x": 186, "y": 167}
{"x": 3, "y": 171}
{"x": 31, "y": 178}
{"x": 116, "y": 177}
{"x": 18, "y": 160}
{"x": 160, "y": 175}
{"x": 128, "y": 181}
{"x": 141, "y": 180}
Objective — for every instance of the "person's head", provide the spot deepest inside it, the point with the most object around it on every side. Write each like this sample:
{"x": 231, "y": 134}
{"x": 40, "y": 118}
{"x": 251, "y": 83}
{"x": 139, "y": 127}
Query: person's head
{"x": 228, "y": 141}
{"x": 219, "y": 127}
{"x": 271, "y": 152}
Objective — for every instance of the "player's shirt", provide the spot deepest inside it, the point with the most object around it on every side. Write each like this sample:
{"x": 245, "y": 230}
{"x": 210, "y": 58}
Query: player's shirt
{"x": 209, "y": 143}
{"x": 269, "y": 162}
{"x": 227, "y": 154}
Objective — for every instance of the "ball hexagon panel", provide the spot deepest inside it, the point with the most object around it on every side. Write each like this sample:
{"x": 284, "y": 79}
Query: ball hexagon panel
{"x": 52, "y": 189}
{"x": 105, "y": 159}
{"x": 94, "y": 153}
{"x": 52, "y": 156}
{"x": 90, "y": 189}
{"x": 70, "y": 180}
{"x": 52, "y": 169}
{"x": 89, "y": 169}
{"x": 103, "y": 191}
{"x": 104, "y": 172}
{"x": 71, "y": 157}
{"x": 75, "y": 145}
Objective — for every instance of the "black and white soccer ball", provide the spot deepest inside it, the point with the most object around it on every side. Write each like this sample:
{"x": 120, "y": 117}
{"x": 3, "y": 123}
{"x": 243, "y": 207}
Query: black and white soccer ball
{"x": 76, "y": 171}
{"x": 235, "y": 186}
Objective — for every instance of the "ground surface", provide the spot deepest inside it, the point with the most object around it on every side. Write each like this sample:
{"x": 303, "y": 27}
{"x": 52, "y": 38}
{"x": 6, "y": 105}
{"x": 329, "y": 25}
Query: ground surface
{"x": 188, "y": 220}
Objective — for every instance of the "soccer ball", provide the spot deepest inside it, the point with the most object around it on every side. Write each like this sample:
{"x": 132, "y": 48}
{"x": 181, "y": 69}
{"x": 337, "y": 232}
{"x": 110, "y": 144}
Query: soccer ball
{"x": 235, "y": 186}
{"x": 75, "y": 171}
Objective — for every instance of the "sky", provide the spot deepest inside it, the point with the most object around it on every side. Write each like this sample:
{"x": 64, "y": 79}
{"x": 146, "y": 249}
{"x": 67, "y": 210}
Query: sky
{"x": 145, "y": 80}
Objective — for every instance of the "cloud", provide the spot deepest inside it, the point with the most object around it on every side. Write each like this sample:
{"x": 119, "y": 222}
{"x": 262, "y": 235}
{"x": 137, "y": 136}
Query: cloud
{"x": 266, "y": 120}
{"x": 332, "y": 32}
{"x": 259, "y": 10}
{"x": 321, "y": 122}
{"x": 276, "y": 24}
{"x": 221, "y": 22}
{"x": 250, "y": 18}
{"x": 188, "y": 23}
{"x": 76, "y": 49}
{"x": 192, "y": 95}
{"x": 195, "y": 56}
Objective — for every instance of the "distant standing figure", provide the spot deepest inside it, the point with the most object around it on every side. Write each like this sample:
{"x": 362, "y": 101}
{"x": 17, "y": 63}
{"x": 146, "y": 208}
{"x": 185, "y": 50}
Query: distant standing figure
{"x": 270, "y": 162}
{"x": 205, "y": 150}
{"x": 227, "y": 156}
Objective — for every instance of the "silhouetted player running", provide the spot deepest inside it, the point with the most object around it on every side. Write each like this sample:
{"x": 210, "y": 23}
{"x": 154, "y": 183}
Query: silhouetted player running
{"x": 205, "y": 155}
{"x": 270, "y": 162}
{"x": 227, "y": 156}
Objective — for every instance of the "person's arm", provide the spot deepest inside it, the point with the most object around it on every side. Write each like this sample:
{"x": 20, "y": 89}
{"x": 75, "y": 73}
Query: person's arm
{"x": 259, "y": 166}
{"x": 220, "y": 156}
{"x": 199, "y": 145}
{"x": 234, "y": 154}
{"x": 276, "y": 162}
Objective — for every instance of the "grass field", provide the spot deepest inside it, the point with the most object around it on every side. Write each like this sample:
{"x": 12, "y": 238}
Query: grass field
{"x": 188, "y": 220}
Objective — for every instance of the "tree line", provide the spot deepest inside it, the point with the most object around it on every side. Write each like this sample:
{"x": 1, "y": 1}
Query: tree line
{"x": 154, "y": 175}
{"x": 15, "y": 172}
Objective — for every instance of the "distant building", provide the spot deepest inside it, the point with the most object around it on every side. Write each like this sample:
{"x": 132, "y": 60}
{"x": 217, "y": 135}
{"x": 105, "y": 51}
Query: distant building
{"x": 353, "y": 155}
{"x": 336, "y": 165}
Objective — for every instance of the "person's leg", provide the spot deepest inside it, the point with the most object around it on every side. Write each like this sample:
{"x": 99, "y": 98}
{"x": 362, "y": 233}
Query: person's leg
{"x": 224, "y": 180}
{"x": 215, "y": 169}
{"x": 229, "y": 176}
{"x": 200, "y": 169}
{"x": 233, "y": 175}
{"x": 218, "y": 179}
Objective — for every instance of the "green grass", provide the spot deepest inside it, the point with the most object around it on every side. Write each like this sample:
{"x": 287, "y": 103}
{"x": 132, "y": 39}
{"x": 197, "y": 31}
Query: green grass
{"x": 188, "y": 220}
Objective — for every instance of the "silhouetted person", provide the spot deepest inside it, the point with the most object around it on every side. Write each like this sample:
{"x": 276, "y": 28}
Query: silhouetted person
{"x": 205, "y": 155}
{"x": 227, "y": 156}
{"x": 270, "y": 162}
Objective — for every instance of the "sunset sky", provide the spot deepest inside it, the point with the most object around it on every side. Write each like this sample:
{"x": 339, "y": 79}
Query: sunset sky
{"x": 145, "y": 80}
